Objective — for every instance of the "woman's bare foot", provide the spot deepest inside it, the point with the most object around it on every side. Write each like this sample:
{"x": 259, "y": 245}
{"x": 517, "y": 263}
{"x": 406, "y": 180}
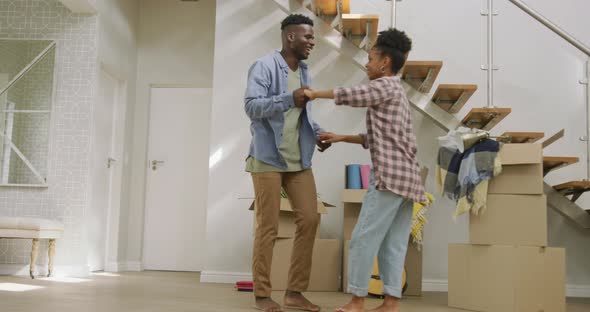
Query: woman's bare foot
{"x": 390, "y": 304}
{"x": 296, "y": 300}
{"x": 356, "y": 304}
{"x": 266, "y": 304}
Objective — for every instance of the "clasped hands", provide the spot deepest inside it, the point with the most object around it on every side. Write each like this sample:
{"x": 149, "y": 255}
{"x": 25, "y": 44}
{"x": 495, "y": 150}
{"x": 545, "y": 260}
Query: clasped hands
{"x": 300, "y": 98}
{"x": 303, "y": 95}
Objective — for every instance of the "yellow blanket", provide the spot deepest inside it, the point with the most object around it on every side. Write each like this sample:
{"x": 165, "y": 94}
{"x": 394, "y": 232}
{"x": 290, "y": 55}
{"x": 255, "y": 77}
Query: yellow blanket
{"x": 419, "y": 219}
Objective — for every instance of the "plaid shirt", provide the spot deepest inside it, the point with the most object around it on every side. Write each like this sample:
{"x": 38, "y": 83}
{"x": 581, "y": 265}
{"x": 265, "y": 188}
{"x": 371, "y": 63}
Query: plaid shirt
{"x": 389, "y": 136}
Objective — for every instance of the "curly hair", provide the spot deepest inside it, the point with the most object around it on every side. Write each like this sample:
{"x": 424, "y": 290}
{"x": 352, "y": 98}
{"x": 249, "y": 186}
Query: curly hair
{"x": 296, "y": 19}
{"x": 395, "y": 44}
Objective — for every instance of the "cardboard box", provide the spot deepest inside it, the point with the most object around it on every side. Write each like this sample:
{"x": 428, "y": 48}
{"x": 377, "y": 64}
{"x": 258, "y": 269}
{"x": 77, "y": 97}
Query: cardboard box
{"x": 351, "y": 214}
{"x": 511, "y": 220}
{"x": 413, "y": 267}
{"x": 325, "y": 270}
{"x": 506, "y": 278}
{"x": 522, "y": 170}
{"x": 287, "y": 225}
{"x": 413, "y": 270}
{"x": 352, "y": 201}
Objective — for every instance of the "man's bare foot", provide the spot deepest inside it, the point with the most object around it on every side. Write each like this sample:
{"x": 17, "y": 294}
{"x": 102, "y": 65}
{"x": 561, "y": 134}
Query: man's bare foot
{"x": 296, "y": 300}
{"x": 356, "y": 304}
{"x": 390, "y": 304}
{"x": 266, "y": 304}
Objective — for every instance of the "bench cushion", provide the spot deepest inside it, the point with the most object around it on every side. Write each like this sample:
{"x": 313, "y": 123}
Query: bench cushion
{"x": 22, "y": 227}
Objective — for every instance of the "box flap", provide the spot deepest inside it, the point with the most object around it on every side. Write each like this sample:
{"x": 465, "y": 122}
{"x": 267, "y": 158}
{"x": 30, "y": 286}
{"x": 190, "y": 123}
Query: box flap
{"x": 553, "y": 138}
{"x": 521, "y": 179}
{"x": 353, "y": 196}
{"x": 521, "y": 154}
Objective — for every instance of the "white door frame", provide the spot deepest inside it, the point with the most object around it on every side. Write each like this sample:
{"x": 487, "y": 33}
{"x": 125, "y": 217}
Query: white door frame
{"x": 115, "y": 177}
{"x": 147, "y": 158}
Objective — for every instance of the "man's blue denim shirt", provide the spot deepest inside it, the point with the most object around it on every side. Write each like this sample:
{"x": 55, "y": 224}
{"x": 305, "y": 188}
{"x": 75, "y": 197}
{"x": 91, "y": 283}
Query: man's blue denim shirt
{"x": 266, "y": 100}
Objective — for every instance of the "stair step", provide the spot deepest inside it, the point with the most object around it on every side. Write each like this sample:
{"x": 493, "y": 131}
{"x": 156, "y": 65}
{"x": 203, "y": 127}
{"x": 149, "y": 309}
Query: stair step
{"x": 421, "y": 74}
{"x": 329, "y": 7}
{"x": 522, "y": 137}
{"x": 354, "y": 27}
{"x": 485, "y": 118}
{"x": 572, "y": 187}
{"x": 553, "y": 163}
{"x": 452, "y": 97}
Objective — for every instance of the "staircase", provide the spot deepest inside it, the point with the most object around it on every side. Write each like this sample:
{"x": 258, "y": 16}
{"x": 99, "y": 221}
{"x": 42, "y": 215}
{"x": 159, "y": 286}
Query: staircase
{"x": 353, "y": 34}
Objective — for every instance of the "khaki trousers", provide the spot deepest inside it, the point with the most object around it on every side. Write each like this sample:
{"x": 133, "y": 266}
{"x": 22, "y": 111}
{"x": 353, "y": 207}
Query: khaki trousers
{"x": 301, "y": 191}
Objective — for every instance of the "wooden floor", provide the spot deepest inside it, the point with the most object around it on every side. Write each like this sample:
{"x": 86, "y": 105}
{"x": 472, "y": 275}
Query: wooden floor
{"x": 169, "y": 292}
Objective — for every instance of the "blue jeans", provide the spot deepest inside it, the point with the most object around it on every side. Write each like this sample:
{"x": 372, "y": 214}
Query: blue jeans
{"x": 382, "y": 230}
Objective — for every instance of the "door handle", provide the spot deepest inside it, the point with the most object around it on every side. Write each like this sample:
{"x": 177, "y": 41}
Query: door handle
{"x": 156, "y": 163}
{"x": 110, "y": 162}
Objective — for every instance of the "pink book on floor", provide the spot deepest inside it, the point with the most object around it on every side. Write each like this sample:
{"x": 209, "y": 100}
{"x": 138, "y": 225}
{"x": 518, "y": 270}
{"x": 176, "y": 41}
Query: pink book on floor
{"x": 365, "y": 176}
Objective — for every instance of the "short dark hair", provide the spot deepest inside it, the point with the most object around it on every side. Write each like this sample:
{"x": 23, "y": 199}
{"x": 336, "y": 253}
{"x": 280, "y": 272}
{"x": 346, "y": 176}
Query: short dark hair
{"x": 296, "y": 19}
{"x": 395, "y": 44}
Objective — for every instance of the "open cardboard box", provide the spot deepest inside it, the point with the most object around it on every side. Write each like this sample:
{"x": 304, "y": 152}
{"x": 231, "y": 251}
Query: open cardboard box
{"x": 287, "y": 225}
{"x": 522, "y": 170}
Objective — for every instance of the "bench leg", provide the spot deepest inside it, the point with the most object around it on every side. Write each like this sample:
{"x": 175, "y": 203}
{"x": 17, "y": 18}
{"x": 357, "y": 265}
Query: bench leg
{"x": 51, "y": 254}
{"x": 34, "y": 253}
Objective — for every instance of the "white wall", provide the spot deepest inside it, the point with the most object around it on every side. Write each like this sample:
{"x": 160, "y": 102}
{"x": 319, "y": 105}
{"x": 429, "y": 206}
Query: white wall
{"x": 117, "y": 53}
{"x": 538, "y": 80}
{"x": 66, "y": 197}
{"x": 244, "y": 33}
{"x": 175, "y": 48}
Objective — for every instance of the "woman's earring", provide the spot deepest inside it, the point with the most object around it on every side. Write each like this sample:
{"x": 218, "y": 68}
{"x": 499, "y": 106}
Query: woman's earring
{"x": 382, "y": 70}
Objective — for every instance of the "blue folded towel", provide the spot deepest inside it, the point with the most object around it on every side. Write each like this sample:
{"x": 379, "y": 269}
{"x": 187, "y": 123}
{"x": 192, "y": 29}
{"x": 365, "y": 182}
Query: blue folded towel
{"x": 353, "y": 177}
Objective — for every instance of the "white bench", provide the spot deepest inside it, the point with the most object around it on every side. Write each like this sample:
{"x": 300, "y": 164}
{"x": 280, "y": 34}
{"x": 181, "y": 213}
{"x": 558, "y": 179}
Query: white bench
{"x": 35, "y": 229}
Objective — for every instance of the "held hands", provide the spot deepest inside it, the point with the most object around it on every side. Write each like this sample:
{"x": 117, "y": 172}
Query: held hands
{"x": 322, "y": 146}
{"x": 329, "y": 138}
{"x": 310, "y": 94}
{"x": 300, "y": 98}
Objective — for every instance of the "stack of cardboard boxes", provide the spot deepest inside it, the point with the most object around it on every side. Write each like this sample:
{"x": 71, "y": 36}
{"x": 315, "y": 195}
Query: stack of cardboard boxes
{"x": 325, "y": 271}
{"x": 507, "y": 266}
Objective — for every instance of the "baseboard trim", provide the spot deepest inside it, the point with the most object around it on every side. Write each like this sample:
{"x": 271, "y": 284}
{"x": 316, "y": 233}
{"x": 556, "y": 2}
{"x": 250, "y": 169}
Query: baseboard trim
{"x": 432, "y": 285}
{"x": 124, "y": 266}
{"x": 115, "y": 267}
{"x": 435, "y": 285}
{"x": 58, "y": 270}
{"x": 224, "y": 277}
{"x": 579, "y": 291}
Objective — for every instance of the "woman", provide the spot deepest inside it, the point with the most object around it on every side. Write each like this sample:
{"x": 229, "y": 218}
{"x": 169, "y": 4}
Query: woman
{"x": 384, "y": 223}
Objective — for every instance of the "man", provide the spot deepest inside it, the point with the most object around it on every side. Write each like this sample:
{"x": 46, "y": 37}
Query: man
{"x": 283, "y": 141}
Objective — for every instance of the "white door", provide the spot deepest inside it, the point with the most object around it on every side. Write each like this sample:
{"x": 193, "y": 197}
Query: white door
{"x": 106, "y": 171}
{"x": 177, "y": 178}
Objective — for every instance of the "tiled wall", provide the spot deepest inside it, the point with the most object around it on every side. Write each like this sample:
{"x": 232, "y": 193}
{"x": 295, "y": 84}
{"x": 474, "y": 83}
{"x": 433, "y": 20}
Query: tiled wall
{"x": 68, "y": 172}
